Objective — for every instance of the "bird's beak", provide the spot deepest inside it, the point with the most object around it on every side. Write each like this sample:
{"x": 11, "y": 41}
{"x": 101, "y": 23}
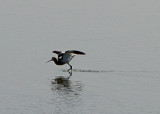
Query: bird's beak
{"x": 49, "y": 61}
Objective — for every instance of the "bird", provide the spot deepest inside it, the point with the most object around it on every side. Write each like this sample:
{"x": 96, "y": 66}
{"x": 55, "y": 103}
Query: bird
{"x": 65, "y": 57}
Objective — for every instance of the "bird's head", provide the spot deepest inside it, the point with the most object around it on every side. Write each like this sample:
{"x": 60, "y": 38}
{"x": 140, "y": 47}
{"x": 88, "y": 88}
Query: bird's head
{"x": 52, "y": 59}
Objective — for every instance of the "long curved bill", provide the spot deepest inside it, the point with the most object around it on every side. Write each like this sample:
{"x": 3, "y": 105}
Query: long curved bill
{"x": 49, "y": 61}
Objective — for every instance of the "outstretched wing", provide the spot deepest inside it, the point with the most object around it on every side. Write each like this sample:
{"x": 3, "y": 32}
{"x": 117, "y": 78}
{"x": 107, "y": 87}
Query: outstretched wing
{"x": 75, "y": 52}
{"x": 67, "y": 57}
{"x": 59, "y": 53}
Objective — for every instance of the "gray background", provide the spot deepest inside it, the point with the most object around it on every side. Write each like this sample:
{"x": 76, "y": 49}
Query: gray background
{"x": 120, "y": 37}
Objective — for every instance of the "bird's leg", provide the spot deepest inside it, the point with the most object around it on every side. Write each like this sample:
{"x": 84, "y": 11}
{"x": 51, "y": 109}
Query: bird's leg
{"x": 70, "y": 74}
{"x": 70, "y": 66}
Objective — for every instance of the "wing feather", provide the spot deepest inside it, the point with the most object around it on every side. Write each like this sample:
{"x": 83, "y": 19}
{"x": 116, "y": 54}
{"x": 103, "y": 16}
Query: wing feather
{"x": 75, "y": 52}
{"x": 67, "y": 57}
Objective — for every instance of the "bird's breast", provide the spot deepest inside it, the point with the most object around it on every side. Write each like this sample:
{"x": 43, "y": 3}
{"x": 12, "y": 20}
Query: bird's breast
{"x": 59, "y": 62}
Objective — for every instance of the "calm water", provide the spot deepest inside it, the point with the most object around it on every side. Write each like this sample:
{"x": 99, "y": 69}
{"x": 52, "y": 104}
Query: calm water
{"x": 118, "y": 75}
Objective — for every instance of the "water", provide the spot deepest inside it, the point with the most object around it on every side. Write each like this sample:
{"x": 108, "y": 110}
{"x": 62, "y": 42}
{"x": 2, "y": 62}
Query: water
{"x": 118, "y": 75}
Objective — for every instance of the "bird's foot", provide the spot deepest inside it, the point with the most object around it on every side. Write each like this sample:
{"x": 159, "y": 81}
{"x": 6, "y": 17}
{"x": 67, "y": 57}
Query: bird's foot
{"x": 70, "y": 72}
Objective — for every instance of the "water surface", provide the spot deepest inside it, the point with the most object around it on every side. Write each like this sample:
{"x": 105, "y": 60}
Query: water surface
{"x": 118, "y": 75}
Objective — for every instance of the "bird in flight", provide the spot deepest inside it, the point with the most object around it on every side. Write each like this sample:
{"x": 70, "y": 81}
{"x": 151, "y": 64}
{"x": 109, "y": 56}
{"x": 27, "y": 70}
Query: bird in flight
{"x": 65, "y": 57}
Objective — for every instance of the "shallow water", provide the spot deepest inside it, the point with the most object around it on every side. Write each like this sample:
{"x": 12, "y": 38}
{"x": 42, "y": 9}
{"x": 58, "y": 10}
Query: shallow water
{"x": 118, "y": 75}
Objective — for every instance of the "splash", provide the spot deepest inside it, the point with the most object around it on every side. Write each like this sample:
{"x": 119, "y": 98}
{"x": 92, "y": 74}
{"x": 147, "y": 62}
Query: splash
{"x": 82, "y": 70}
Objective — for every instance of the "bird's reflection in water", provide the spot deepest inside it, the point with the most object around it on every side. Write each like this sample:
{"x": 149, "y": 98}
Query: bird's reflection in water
{"x": 63, "y": 84}
{"x": 67, "y": 94}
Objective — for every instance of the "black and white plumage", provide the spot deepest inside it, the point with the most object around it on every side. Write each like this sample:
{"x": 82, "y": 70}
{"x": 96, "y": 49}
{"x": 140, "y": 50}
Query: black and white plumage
{"x": 65, "y": 57}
